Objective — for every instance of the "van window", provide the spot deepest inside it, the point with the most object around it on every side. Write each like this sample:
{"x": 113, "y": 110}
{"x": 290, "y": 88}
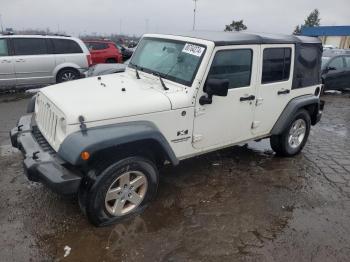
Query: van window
{"x": 3, "y": 47}
{"x": 233, "y": 65}
{"x": 276, "y": 65}
{"x": 29, "y": 46}
{"x": 66, "y": 46}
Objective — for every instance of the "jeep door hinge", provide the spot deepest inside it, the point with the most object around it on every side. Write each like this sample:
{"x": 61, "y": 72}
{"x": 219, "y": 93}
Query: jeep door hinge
{"x": 197, "y": 138}
{"x": 259, "y": 101}
{"x": 255, "y": 124}
{"x": 199, "y": 111}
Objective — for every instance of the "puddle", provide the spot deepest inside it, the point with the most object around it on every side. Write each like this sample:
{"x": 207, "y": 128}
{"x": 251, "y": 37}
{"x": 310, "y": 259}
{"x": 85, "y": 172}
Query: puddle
{"x": 339, "y": 130}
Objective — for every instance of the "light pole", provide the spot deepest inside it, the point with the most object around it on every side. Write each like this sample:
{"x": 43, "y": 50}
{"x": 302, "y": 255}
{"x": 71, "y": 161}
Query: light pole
{"x": 194, "y": 15}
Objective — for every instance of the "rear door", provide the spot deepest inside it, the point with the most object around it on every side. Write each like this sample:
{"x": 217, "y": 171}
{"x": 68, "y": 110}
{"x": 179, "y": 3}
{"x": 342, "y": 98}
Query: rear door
{"x": 33, "y": 62}
{"x": 274, "y": 86}
{"x": 7, "y": 68}
{"x": 335, "y": 77}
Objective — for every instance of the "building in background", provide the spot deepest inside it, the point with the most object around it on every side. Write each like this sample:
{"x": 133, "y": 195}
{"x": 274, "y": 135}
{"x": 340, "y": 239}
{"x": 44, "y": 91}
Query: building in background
{"x": 336, "y": 36}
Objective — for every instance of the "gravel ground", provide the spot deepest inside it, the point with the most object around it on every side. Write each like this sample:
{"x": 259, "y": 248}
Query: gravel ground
{"x": 238, "y": 204}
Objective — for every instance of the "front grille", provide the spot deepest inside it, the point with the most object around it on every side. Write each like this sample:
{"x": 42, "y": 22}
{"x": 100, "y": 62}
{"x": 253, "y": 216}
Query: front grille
{"x": 46, "y": 119}
{"x": 42, "y": 141}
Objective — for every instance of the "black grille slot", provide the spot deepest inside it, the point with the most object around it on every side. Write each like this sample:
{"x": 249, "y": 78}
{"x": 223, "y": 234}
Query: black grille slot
{"x": 42, "y": 141}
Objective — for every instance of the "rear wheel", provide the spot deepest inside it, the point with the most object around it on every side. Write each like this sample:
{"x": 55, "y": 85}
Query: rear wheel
{"x": 120, "y": 190}
{"x": 294, "y": 138}
{"x": 67, "y": 75}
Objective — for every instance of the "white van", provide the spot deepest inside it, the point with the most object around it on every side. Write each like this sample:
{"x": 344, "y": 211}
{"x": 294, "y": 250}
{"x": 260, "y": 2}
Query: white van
{"x": 27, "y": 60}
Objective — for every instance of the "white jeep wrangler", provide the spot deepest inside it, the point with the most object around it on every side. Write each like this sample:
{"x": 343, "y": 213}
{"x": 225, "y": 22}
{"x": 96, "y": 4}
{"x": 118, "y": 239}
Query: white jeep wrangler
{"x": 104, "y": 138}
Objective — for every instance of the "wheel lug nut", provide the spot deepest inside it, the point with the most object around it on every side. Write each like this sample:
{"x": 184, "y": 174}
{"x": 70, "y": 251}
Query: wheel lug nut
{"x": 125, "y": 186}
{"x": 129, "y": 195}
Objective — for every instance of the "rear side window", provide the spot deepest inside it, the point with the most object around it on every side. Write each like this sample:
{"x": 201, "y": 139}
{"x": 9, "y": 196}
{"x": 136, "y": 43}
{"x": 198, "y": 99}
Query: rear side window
{"x": 66, "y": 46}
{"x": 3, "y": 47}
{"x": 337, "y": 63}
{"x": 97, "y": 46}
{"x": 307, "y": 65}
{"x": 276, "y": 65}
{"x": 29, "y": 46}
{"x": 347, "y": 60}
{"x": 233, "y": 65}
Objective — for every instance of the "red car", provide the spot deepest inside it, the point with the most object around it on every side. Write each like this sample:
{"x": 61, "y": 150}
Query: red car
{"x": 104, "y": 51}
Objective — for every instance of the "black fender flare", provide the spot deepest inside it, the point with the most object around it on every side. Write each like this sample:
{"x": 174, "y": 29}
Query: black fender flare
{"x": 292, "y": 107}
{"x": 99, "y": 138}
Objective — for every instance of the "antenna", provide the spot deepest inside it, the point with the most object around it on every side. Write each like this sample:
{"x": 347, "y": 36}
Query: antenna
{"x": 194, "y": 15}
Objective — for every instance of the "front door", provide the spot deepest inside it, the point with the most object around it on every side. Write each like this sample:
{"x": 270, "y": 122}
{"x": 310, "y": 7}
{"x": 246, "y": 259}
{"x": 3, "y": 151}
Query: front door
{"x": 273, "y": 87}
{"x": 336, "y": 75}
{"x": 227, "y": 120}
{"x": 7, "y": 69}
{"x": 347, "y": 72}
{"x": 33, "y": 63}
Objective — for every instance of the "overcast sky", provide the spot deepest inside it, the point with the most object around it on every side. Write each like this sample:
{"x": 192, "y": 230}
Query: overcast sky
{"x": 139, "y": 16}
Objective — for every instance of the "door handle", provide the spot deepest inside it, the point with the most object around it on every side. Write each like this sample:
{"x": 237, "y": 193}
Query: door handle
{"x": 247, "y": 98}
{"x": 20, "y": 60}
{"x": 283, "y": 92}
{"x": 5, "y": 61}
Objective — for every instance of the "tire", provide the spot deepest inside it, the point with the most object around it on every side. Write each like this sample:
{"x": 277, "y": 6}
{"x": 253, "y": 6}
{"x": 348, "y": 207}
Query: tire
{"x": 111, "y": 61}
{"x": 294, "y": 137}
{"x": 67, "y": 75}
{"x": 120, "y": 190}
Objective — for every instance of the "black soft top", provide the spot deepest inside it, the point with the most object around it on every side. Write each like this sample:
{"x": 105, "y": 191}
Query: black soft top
{"x": 238, "y": 38}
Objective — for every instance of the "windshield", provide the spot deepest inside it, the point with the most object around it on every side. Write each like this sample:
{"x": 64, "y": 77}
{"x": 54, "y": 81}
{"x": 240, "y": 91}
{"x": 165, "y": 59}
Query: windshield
{"x": 325, "y": 59}
{"x": 174, "y": 60}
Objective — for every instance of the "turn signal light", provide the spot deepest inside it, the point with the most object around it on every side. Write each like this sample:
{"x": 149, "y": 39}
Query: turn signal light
{"x": 85, "y": 155}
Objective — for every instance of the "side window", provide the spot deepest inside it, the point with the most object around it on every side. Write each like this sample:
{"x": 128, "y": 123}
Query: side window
{"x": 29, "y": 46}
{"x": 347, "y": 60}
{"x": 3, "y": 48}
{"x": 337, "y": 63}
{"x": 276, "y": 65}
{"x": 233, "y": 65}
{"x": 97, "y": 46}
{"x": 66, "y": 46}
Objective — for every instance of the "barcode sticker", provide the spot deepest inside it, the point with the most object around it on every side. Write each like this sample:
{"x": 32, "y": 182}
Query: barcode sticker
{"x": 193, "y": 49}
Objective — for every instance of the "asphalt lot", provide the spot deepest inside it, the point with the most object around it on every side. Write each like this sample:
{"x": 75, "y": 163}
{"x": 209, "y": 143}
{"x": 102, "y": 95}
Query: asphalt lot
{"x": 238, "y": 204}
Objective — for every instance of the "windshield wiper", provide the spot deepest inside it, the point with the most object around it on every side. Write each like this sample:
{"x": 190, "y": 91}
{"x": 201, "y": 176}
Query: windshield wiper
{"x": 161, "y": 80}
{"x": 136, "y": 70}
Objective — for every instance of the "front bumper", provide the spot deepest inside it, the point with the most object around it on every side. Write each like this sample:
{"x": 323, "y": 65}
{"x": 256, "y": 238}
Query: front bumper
{"x": 41, "y": 162}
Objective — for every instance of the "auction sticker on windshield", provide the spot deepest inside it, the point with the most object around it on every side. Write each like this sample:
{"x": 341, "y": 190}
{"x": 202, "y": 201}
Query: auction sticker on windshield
{"x": 193, "y": 49}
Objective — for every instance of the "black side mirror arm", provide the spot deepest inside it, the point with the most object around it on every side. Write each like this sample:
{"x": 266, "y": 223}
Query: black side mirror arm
{"x": 206, "y": 100}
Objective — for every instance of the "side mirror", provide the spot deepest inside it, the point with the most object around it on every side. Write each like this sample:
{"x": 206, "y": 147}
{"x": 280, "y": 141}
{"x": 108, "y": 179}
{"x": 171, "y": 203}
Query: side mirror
{"x": 214, "y": 87}
{"x": 331, "y": 68}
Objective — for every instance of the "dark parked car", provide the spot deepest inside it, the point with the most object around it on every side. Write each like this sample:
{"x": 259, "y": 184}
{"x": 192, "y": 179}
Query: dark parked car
{"x": 336, "y": 70}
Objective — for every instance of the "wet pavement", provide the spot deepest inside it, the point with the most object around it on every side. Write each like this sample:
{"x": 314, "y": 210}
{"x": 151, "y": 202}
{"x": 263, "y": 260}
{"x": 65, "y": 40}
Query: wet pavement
{"x": 238, "y": 204}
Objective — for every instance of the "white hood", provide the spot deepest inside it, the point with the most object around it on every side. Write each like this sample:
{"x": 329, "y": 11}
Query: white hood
{"x": 106, "y": 99}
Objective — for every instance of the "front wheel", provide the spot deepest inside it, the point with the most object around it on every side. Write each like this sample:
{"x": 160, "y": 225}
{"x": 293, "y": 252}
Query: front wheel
{"x": 294, "y": 137}
{"x": 120, "y": 190}
{"x": 67, "y": 75}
